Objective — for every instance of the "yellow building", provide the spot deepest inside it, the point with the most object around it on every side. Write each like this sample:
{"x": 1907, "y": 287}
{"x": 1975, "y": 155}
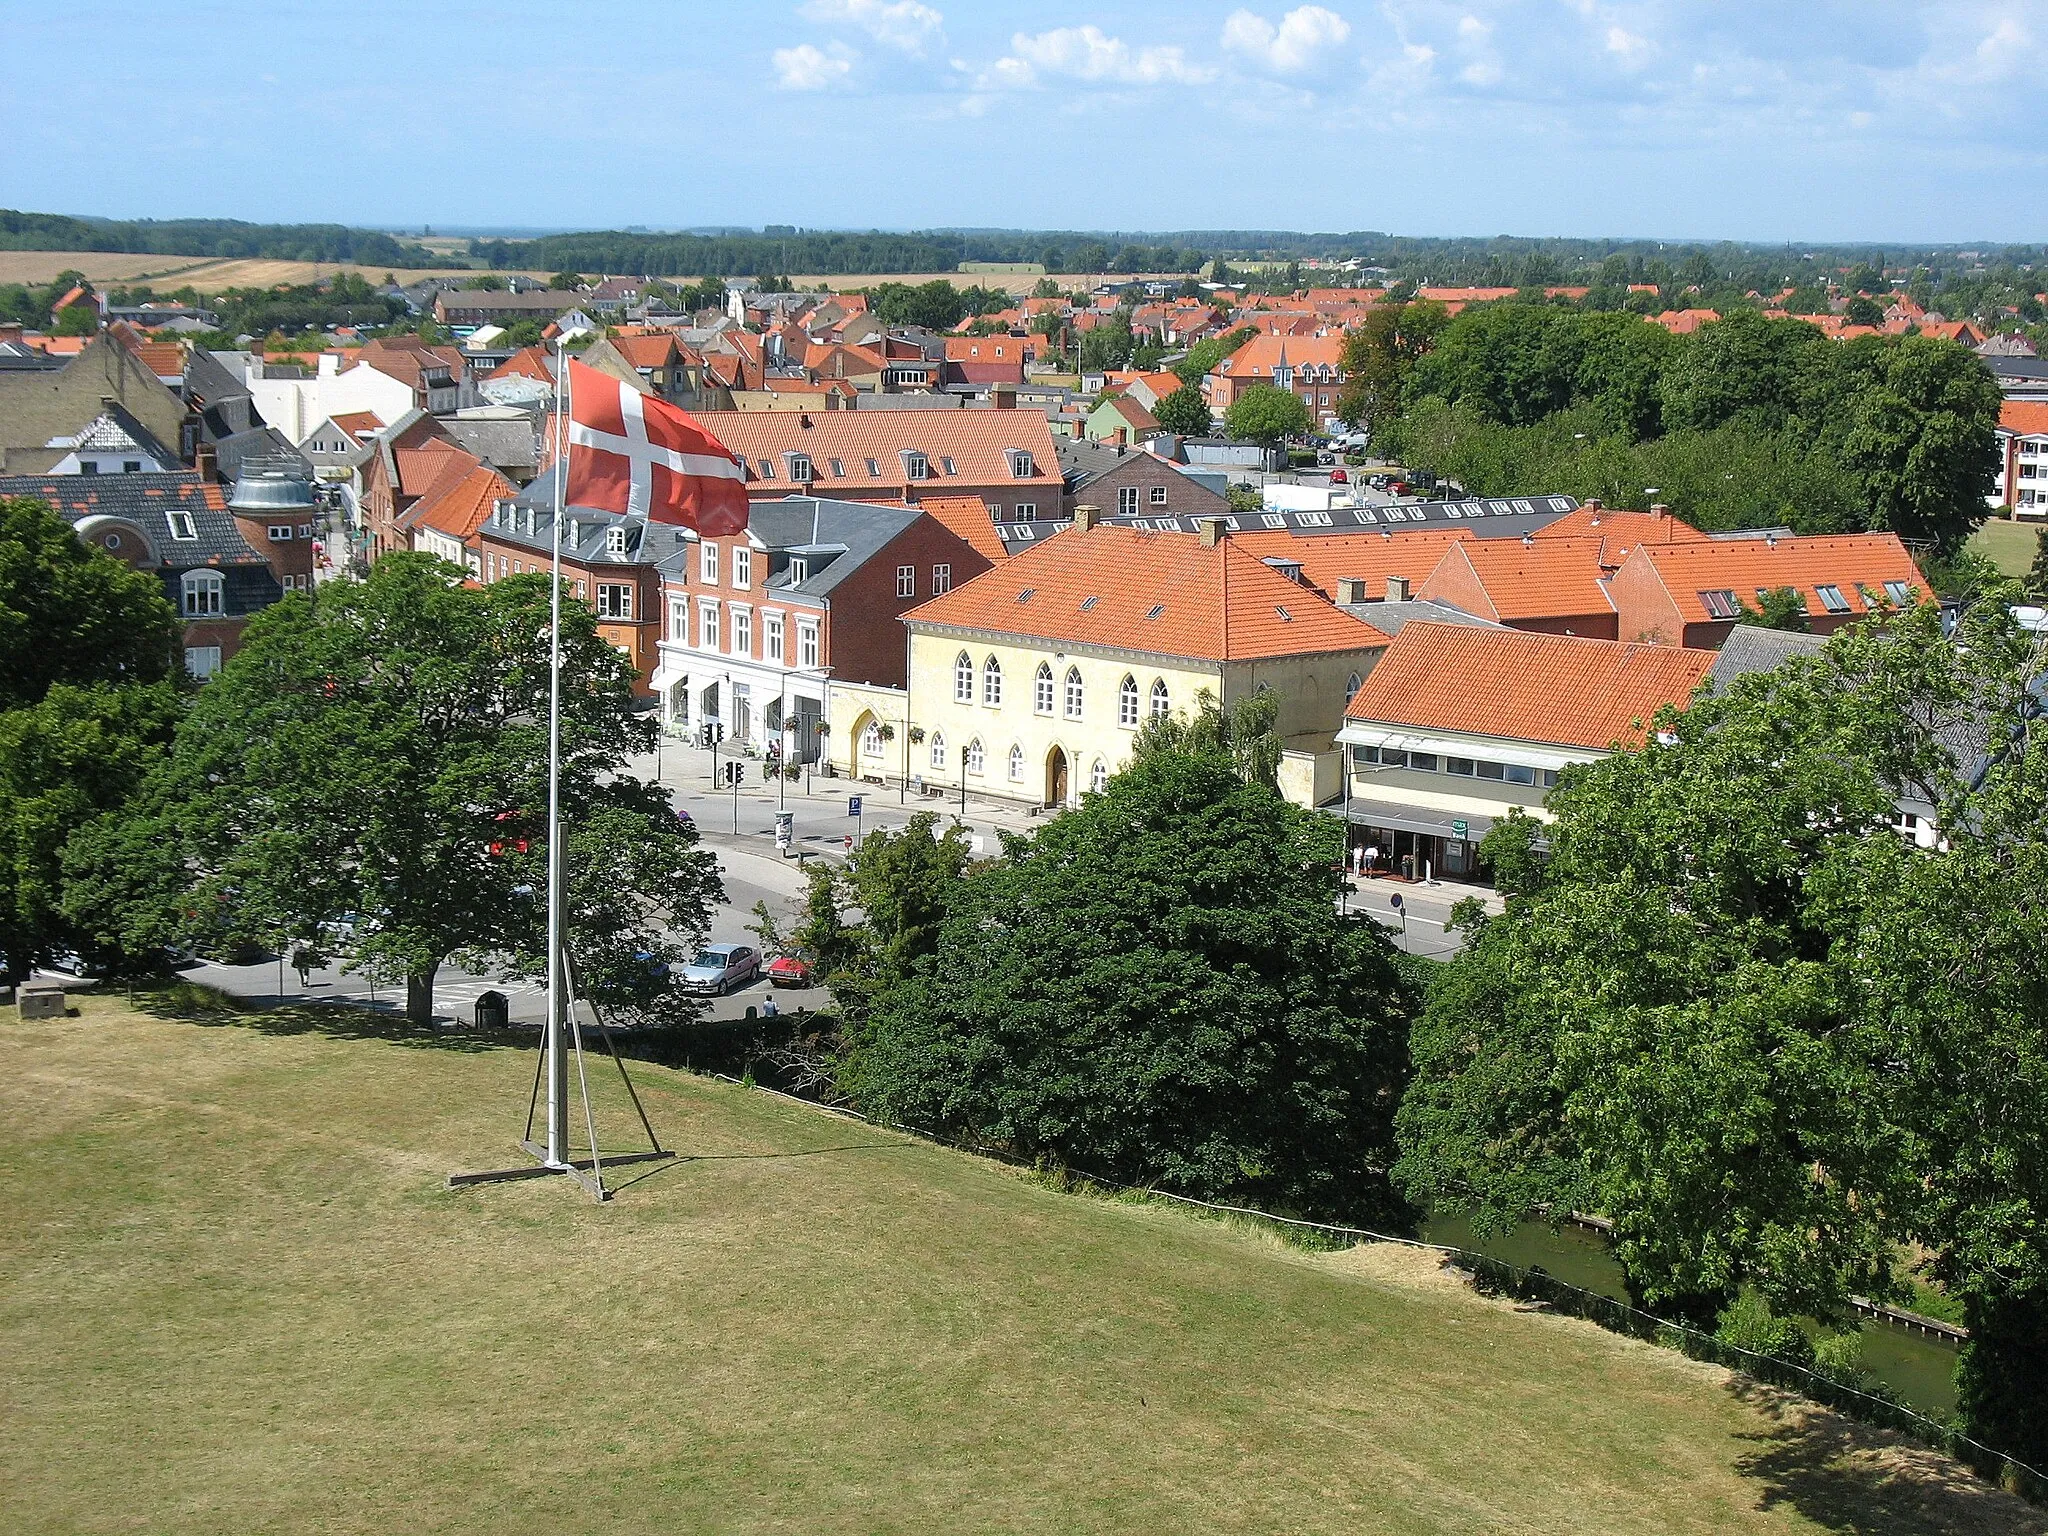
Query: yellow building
{"x": 1030, "y": 682}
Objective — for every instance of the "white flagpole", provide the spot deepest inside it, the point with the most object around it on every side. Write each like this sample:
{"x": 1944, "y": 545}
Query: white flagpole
{"x": 557, "y": 1057}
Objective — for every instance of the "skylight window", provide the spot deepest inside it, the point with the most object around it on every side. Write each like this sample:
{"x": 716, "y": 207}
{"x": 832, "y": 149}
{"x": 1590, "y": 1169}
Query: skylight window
{"x": 946, "y": 466}
{"x": 1155, "y": 610}
{"x": 874, "y": 469}
{"x": 181, "y": 525}
{"x": 1285, "y": 616}
{"x": 1088, "y": 603}
{"x": 1720, "y": 604}
{"x": 1898, "y": 592}
{"x": 1831, "y": 599}
{"x": 1027, "y": 594}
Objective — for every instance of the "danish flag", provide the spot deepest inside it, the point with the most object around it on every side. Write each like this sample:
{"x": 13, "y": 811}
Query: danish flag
{"x": 637, "y": 455}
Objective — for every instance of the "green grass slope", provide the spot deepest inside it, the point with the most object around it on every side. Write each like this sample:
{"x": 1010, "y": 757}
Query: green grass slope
{"x": 235, "y": 1297}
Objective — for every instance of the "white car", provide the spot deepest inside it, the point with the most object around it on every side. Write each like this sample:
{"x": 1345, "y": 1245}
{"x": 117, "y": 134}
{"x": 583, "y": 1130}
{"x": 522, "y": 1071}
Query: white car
{"x": 721, "y": 967}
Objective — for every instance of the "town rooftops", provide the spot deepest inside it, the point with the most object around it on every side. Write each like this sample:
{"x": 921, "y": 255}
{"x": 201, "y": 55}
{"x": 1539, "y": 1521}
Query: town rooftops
{"x": 1125, "y": 589}
{"x": 1492, "y": 517}
{"x": 1527, "y": 578}
{"x": 184, "y": 517}
{"x": 1557, "y": 690}
{"x": 2024, "y": 418}
{"x": 871, "y": 454}
{"x": 966, "y": 517}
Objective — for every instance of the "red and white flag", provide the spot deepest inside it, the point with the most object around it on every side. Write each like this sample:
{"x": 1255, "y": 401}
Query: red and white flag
{"x": 637, "y": 455}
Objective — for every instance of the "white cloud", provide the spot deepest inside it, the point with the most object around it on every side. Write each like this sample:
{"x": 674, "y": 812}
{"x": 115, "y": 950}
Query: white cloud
{"x": 1303, "y": 39}
{"x": 810, "y": 68}
{"x": 1087, "y": 53}
{"x": 903, "y": 24}
{"x": 1632, "y": 48}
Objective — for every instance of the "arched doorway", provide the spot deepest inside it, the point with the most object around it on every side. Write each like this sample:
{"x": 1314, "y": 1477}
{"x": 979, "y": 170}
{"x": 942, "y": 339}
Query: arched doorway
{"x": 1056, "y": 777}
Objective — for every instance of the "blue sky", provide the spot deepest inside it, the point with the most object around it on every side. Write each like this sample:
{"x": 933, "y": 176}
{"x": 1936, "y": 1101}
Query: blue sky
{"x": 1794, "y": 120}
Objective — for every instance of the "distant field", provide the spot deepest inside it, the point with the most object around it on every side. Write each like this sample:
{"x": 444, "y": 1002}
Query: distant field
{"x": 1032, "y": 268}
{"x": 1020, "y": 279}
{"x": 235, "y": 1297}
{"x": 167, "y": 272}
{"x": 2010, "y": 546}
{"x": 99, "y": 266}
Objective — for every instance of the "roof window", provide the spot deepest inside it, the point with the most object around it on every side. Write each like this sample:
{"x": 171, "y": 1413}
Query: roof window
{"x": 1898, "y": 592}
{"x": 1720, "y": 604}
{"x": 767, "y": 469}
{"x": 874, "y": 470}
{"x": 946, "y": 466}
{"x": 1088, "y": 603}
{"x": 1027, "y": 594}
{"x": 1285, "y": 616}
{"x": 1022, "y": 466}
{"x": 181, "y": 525}
{"x": 1155, "y": 610}
{"x": 915, "y": 465}
{"x": 1831, "y": 599}
{"x": 838, "y": 469}
{"x": 615, "y": 540}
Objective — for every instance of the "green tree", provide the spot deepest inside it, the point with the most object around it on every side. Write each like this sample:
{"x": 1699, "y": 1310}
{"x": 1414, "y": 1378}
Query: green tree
{"x": 1046, "y": 288}
{"x": 73, "y": 614}
{"x": 1922, "y": 439}
{"x": 1777, "y": 608}
{"x": 564, "y": 281}
{"x": 1865, "y": 311}
{"x": 1157, "y": 988}
{"x": 1244, "y": 734}
{"x": 381, "y": 752}
{"x": 1378, "y": 356}
{"x": 1266, "y": 415}
{"x": 80, "y": 319}
{"x": 1185, "y": 412}
{"x": 2037, "y": 573}
{"x": 1205, "y": 354}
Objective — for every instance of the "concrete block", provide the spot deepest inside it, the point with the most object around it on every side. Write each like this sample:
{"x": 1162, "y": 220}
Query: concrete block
{"x": 43, "y": 1003}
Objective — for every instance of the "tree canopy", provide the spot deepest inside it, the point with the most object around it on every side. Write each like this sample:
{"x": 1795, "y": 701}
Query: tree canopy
{"x": 1185, "y": 411}
{"x": 1156, "y": 988}
{"x": 376, "y": 756}
{"x": 1769, "y": 1037}
{"x": 1266, "y": 414}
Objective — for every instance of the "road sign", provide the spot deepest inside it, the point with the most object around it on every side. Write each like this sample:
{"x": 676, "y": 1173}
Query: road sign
{"x": 785, "y": 829}
{"x": 853, "y": 806}
{"x": 1458, "y": 827}
{"x": 1396, "y": 900}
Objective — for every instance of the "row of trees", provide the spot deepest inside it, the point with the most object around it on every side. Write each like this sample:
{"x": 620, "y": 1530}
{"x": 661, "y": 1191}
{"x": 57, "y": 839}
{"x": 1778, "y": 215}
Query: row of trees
{"x": 1746, "y": 421}
{"x": 211, "y": 239}
{"x": 369, "y": 769}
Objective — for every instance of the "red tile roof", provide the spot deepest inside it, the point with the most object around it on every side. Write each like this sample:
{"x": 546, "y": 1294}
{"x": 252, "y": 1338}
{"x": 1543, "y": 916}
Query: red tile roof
{"x": 526, "y": 363}
{"x": 1623, "y": 530}
{"x": 976, "y": 442}
{"x": 1521, "y": 686}
{"x": 459, "y": 506}
{"x": 967, "y": 518}
{"x": 1848, "y": 562}
{"x": 1537, "y": 579}
{"x": 1371, "y": 557}
{"x": 2024, "y": 418}
{"x": 1165, "y": 593}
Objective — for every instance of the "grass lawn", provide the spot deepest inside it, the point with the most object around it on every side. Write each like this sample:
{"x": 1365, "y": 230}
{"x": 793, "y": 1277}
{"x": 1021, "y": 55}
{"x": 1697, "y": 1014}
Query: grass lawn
{"x": 2009, "y": 545}
{"x": 235, "y": 1297}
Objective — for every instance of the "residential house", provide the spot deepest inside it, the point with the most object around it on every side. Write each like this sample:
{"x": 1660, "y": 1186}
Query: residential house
{"x": 1555, "y": 586}
{"x": 1006, "y": 458}
{"x": 1457, "y": 726}
{"x": 410, "y": 460}
{"x": 2023, "y": 459}
{"x": 448, "y": 520}
{"x": 1141, "y": 485}
{"x": 1030, "y": 682}
{"x": 1695, "y": 594}
{"x": 760, "y": 627}
{"x": 472, "y": 307}
{"x": 176, "y": 525}
{"x": 113, "y": 443}
{"x": 1310, "y": 366}
{"x": 1120, "y": 419}
{"x": 41, "y": 405}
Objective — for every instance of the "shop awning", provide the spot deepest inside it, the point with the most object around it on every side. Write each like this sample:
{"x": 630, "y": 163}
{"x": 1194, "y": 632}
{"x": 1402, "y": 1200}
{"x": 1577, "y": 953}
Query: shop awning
{"x": 666, "y": 676}
{"x": 1425, "y": 821}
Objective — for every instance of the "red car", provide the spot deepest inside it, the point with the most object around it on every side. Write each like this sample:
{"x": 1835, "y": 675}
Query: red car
{"x": 788, "y": 971}
{"x": 1338, "y": 477}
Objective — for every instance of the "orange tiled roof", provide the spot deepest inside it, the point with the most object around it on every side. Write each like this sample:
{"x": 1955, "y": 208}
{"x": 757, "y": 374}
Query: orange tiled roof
{"x": 526, "y": 363}
{"x": 1523, "y": 686}
{"x": 654, "y": 351}
{"x": 1623, "y": 530}
{"x": 1371, "y": 557}
{"x": 359, "y": 423}
{"x": 1165, "y": 593}
{"x": 428, "y": 469}
{"x": 967, "y": 518}
{"x": 976, "y": 442}
{"x": 1537, "y": 579}
{"x": 2025, "y": 418}
{"x": 1257, "y": 358}
{"x": 459, "y": 507}
{"x": 1848, "y": 562}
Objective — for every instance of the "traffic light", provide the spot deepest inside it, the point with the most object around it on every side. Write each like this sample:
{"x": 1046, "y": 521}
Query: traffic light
{"x": 735, "y": 772}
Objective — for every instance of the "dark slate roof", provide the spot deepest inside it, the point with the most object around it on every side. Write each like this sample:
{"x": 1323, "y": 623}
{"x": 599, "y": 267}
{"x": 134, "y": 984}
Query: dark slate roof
{"x": 1752, "y": 648}
{"x": 2017, "y": 369}
{"x": 260, "y": 445}
{"x": 584, "y": 540}
{"x": 17, "y": 357}
{"x": 835, "y": 538}
{"x": 144, "y": 500}
{"x": 1487, "y": 517}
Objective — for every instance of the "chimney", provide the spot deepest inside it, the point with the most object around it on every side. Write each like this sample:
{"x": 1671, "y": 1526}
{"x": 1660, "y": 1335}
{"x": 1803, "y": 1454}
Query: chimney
{"x": 1397, "y": 589}
{"x": 1528, "y": 541}
{"x": 208, "y": 465}
{"x": 1770, "y": 541}
{"x": 1212, "y": 531}
{"x": 1118, "y": 437}
{"x": 11, "y": 331}
{"x": 1003, "y": 397}
{"x": 1350, "y": 589}
{"x": 1658, "y": 509}
{"x": 1086, "y": 518}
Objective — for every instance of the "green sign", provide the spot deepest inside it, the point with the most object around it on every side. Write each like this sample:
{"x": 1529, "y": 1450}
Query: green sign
{"x": 1458, "y": 827}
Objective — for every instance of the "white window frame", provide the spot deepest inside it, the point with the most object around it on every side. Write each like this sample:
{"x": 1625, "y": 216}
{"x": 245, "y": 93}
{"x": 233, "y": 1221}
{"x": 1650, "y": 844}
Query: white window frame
{"x": 807, "y": 643}
{"x": 615, "y": 539}
{"x": 202, "y": 595}
{"x": 679, "y": 620}
{"x": 280, "y": 533}
{"x": 1076, "y": 694}
{"x": 906, "y": 581}
{"x": 202, "y": 661}
{"x": 963, "y": 679}
{"x": 1127, "y": 703}
{"x": 942, "y": 580}
{"x": 938, "y": 751}
{"x": 742, "y": 630}
{"x": 1098, "y": 777}
{"x": 615, "y": 601}
{"x": 992, "y": 683}
{"x": 742, "y": 567}
{"x": 772, "y": 637}
{"x": 707, "y": 563}
{"x": 1016, "y": 763}
{"x": 1158, "y": 495}
{"x": 977, "y": 758}
{"x": 1162, "y": 699}
{"x": 1127, "y": 501}
{"x": 1044, "y": 690}
{"x": 707, "y": 624}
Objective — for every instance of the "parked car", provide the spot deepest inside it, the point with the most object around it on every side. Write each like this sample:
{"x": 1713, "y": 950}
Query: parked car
{"x": 1339, "y": 477}
{"x": 1377, "y": 482}
{"x": 788, "y": 971}
{"x": 721, "y": 967}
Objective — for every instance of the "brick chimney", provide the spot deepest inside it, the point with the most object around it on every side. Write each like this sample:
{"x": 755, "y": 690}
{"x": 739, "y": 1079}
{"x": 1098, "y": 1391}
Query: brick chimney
{"x": 1351, "y": 589}
{"x": 1658, "y": 509}
{"x": 1003, "y": 397}
{"x": 1397, "y": 589}
{"x": 1212, "y": 531}
{"x": 1086, "y": 518}
{"x": 11, "y": 331}
{"x": 208, "y": 465}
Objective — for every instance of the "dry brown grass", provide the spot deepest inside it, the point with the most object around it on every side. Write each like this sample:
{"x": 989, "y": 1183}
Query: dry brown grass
{"x": 169, "y": 272}
{"x": 235, "y": 1297}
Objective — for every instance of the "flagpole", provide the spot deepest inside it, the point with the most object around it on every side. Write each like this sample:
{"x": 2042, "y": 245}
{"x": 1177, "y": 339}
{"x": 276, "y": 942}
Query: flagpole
{"x": 557, "y": 1058}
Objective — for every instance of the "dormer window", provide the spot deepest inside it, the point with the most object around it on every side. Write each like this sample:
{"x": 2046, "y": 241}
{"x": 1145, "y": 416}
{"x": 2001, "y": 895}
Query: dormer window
{"x": 1022, "y": 466}
{"x": 799, "y": 467}
{"x": 615, "y": 541}
{"x": 915, "y": 465}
